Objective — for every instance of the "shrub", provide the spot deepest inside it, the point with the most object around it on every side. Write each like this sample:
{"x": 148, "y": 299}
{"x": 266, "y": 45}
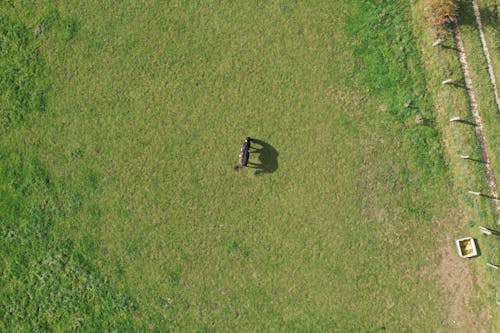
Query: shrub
{"x": 441, "y": 15}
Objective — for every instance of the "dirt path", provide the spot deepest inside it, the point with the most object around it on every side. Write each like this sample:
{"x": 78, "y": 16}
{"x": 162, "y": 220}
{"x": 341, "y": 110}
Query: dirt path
{"x": 490, "y": 177}
{"x": 486, "y": 52}
{"x": 457, "y": 276}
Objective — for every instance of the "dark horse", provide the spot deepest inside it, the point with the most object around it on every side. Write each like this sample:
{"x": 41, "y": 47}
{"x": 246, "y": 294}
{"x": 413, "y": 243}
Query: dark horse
{"x": 244, "y": 154}
{"x": 267, "y": 156}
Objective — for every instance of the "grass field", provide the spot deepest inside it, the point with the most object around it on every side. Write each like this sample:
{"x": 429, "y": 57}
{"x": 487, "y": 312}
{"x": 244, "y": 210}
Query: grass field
{"x": 122, "y": 122}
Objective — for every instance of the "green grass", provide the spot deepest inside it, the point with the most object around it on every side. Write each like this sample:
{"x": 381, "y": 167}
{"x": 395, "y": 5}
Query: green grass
{"x": 46, "y": 284}
{"x": 146, "y": 107}
{"x": 21, "y": 86}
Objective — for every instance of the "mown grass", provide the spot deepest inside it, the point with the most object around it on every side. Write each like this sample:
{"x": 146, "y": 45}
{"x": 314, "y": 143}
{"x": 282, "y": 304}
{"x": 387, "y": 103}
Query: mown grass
{"x": 146, "y": 111}
{"x": 45, "y": 283}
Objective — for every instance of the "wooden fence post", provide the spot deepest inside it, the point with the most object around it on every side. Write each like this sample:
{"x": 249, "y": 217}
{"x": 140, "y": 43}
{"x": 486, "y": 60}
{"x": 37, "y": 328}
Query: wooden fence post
{"x": 438, "y": 42}
{"x": 486, "y": 231}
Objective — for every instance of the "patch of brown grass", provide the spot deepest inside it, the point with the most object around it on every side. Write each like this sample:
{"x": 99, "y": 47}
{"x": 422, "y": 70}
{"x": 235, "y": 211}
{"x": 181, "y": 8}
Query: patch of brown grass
{"x": 441, "y": 14}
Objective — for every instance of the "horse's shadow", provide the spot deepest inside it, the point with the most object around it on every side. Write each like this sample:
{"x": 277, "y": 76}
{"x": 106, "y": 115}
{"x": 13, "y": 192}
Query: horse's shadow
{"x": 267, "y": 155}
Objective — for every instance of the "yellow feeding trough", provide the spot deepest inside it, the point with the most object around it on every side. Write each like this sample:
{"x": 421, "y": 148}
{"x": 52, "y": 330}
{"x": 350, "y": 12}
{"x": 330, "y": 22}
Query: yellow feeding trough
{"x": 466, "y": 247}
